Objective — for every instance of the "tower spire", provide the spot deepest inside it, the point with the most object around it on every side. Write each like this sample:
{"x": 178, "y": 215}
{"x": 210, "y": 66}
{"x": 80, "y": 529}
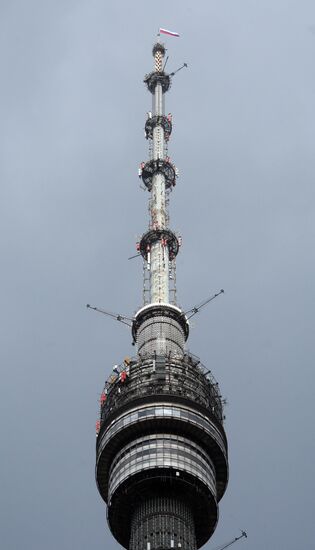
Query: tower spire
{"x": 159, "y": 246}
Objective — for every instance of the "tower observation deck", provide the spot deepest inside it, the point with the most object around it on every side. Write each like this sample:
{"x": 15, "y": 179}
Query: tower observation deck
{"x": 161, "y": 449}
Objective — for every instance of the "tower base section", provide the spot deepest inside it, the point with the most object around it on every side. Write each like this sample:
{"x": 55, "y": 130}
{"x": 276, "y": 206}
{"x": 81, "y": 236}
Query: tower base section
{"x": 161, "y": 483}
{"x": 162, "y": 523}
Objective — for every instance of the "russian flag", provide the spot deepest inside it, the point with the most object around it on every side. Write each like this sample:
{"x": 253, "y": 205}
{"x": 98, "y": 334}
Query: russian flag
{"x": 170, "y": 33}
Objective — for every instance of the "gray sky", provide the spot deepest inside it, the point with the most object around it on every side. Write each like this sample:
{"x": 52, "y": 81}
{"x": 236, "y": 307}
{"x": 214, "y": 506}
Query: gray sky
{"x": 72, "y": 113}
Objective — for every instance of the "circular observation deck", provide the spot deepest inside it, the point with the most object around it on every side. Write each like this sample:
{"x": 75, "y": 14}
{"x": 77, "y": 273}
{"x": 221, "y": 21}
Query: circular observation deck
{"x": 161, "y": 433}
{"x": 183, "y": 378}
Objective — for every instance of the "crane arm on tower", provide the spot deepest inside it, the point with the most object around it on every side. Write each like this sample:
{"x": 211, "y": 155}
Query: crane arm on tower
{"x": 122, "y": 318}
{"x": 227, "y": 544}
{"x": 191, "y": 312}
{"x": 174, "y": 72}
{"x": 165, "y": 63}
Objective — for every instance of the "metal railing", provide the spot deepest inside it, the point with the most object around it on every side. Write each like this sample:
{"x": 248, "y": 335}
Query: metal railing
{"x": 186, "y": 378}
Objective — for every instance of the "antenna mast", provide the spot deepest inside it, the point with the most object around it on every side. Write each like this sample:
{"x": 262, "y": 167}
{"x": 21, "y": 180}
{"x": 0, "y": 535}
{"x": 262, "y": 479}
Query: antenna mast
{"x": 159, "y": 246}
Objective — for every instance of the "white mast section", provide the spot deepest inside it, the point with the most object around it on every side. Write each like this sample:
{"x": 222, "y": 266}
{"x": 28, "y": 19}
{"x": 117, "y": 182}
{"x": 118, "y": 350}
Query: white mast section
{"x": 159, "y": 268}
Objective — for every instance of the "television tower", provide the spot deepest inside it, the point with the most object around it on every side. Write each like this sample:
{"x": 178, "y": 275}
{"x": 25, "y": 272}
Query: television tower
{"x": 161, "y": 450}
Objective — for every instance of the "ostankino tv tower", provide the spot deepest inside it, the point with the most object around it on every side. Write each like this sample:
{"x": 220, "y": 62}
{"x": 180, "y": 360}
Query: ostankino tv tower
{"x": 161, "y": 450}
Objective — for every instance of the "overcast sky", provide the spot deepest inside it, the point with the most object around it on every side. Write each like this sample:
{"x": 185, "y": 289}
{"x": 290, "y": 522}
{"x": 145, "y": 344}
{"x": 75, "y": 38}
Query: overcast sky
{"x": 72, "y": 113}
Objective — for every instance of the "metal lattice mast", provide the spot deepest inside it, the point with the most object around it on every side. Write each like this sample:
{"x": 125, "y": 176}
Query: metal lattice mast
{"x": 160, "y": 245}
{"x": 159, "y": 253}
